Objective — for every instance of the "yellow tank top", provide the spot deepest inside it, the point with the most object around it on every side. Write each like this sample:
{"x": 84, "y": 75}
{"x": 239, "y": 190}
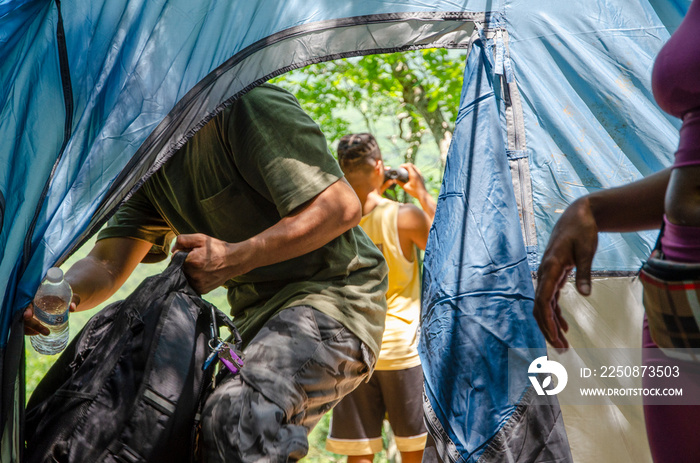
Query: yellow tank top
{"x": 400, "y": 343}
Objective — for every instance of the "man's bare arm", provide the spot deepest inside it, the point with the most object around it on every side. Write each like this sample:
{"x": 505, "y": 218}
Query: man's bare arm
{"x": 96, "y": 277}
{"x": 414, "y": 225}
{"x": 104, "y": 270}
{"x": 211, "y": 262}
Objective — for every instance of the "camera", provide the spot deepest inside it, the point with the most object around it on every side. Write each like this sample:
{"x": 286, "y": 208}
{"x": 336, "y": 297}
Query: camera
{"x": 398, "y": 173}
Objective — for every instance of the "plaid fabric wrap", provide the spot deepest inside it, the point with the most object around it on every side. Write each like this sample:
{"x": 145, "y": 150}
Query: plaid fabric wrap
{"x": 672, "y": 303}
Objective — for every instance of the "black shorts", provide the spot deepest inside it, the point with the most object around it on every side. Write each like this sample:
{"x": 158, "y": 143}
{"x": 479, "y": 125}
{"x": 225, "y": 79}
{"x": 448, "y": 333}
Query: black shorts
{"x": 356, "y": 426}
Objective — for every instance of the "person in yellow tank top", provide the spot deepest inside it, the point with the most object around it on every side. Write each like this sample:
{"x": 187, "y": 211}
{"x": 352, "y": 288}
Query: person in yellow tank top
{"x": 396, "y": 385}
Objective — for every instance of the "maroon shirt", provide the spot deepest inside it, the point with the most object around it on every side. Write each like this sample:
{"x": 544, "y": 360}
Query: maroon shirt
{"x": 676, "y": 84}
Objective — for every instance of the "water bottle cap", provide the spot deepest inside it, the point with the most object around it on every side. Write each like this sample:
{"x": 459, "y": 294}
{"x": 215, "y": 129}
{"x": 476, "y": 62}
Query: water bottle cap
{"x": 54, "y": 275}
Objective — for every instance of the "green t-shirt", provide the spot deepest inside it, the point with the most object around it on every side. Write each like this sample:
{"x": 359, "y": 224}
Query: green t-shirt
{"x": 240, "y": 174}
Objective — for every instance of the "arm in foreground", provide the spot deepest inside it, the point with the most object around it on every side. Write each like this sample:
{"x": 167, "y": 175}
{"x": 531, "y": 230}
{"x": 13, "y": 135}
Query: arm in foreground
{"x": 211, "y": 262}
{"x": 574, "y": 239}
{"x": 97, "y": 276}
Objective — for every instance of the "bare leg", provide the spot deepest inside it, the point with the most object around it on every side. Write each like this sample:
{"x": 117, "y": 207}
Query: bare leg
{"x": 361, "y": 458}
{"x": 412, "y": 457}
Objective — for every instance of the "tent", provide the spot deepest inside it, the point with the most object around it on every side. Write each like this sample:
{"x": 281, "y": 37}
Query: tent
{"x": 96, "y": 95}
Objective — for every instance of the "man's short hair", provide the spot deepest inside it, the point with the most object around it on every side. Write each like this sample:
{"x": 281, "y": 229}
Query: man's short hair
{"x": 358, "y": 150}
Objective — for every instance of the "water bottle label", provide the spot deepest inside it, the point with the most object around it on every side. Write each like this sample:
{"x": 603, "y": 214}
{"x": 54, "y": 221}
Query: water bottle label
{"x": 51, "y": 319}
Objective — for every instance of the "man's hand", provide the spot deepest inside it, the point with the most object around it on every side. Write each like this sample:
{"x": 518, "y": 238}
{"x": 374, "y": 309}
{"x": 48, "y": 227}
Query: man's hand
{"x": 572, "y": 245}
{"x": 415, "y": 185}
{"x": 33, "y": 327}
{"x": 386, "y": 185}
{"x": 208, "y": 264}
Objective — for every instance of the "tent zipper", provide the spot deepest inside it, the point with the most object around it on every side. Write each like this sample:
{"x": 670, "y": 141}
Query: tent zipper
{"x": 2, "y": 210}
{"x": 67, "y": 131}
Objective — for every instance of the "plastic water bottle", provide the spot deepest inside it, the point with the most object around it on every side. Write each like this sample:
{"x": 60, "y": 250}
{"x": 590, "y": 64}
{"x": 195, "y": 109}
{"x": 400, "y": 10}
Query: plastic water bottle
{"x": 51, "y": 308}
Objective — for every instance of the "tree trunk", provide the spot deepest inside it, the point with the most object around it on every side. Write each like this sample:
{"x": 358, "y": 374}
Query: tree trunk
{"x": 414, "y": 95}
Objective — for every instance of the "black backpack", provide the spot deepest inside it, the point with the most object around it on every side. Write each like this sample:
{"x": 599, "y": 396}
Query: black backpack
{"x": 130, "y": 385}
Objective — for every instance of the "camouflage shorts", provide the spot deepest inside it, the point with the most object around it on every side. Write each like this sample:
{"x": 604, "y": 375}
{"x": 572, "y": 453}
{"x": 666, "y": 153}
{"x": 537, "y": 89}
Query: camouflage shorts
{"x": 300, "y": 364}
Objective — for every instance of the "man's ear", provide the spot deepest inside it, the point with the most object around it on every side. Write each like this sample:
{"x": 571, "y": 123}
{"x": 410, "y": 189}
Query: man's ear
{"x": 379, "y": 167}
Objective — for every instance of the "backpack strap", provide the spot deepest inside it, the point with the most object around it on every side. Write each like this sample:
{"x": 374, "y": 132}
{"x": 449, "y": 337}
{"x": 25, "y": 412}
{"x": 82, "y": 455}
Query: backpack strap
{"x": 122, "y": 453}
{"x": 178, "y": 259}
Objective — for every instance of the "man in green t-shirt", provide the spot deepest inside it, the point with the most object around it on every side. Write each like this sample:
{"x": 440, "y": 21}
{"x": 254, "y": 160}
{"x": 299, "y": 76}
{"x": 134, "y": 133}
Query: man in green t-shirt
{"x": 263, "y": 209}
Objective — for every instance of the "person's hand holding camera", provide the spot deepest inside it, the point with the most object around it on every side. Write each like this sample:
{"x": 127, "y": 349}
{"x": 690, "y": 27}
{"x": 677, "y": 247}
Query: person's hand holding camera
{"x": 415, "y": 186}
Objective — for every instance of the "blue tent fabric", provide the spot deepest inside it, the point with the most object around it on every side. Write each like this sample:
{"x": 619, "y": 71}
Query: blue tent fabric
{"x": 144, "y": 77}
{"x": 137, "y": 65}
{"x": 592, "y": 121}
{"x": 565, "y": 108}
{"x": 478, "y": 289}
{"x": 586, "y": 126}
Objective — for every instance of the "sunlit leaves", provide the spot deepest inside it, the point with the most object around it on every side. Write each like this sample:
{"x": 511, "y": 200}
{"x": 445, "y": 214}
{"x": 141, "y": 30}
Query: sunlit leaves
{"x": 419, "y": 88}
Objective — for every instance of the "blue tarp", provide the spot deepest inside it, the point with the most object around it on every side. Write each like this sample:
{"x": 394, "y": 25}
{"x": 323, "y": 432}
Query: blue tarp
{"x": 477, "y": 288}
{"x": 589, "y": 121}
{"x": 94, "y": 99}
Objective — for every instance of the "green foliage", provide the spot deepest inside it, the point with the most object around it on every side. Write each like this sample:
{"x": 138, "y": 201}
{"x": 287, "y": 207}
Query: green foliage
{"x": 407, "y": 100}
